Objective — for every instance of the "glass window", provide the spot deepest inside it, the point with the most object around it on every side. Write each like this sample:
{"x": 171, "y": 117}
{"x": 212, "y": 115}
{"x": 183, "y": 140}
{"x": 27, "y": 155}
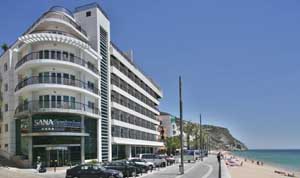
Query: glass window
{"x": 66, "y": 78}
{"x": 58, "y": 55}
{"x": 46, "y": 101}
{"x": 46, "y": 77}
{"x": 72, "y": 57}
{"x": 41, "y": 101}
{"x": 58, "y": 78}
{"x": 66, "y": 101}
{"x": 46, "y": 54}
{"x": 88, "y": 13}
{"x": 53, "y": 77}
{"x": 53, "y": 55}
{"x": 5, "y": 67}
{"x": 40, "y": 54}
{"x": 65, "y": 55}
{"x": 53, "y": 101}
{"x": 58, "y": 101}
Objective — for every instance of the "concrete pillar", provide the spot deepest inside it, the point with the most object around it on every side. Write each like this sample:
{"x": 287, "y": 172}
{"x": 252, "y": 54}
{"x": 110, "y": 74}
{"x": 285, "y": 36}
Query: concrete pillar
{"x": 30, "y": 156}
{"x": 99, "y": 151}
{"x": 128, "y": 151}
{"x": 82, "y": 141}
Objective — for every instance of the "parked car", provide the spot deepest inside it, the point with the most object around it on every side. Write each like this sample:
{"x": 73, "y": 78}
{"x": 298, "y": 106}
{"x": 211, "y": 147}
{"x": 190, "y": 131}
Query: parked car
{"x": 158, "y": 161}
{"x": 126, "y": 168}
{"x": 92, "y": 171}
{"x": 170, "y": 160}
{"x": 139, "y": 161}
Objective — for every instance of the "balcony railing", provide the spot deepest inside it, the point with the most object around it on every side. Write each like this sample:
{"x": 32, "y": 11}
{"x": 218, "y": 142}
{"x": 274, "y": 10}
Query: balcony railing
{"x": 66, "y": 18}
{"x": 56, "y": 55}
{"x": 37, "y": 106}
{"x": 56, "y": 80}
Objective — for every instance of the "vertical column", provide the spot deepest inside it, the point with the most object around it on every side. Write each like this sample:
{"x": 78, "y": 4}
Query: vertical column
{"x": 30, "y": 146}
{"x": 99, "y": 152}
{"x": 30, "y": 156}
{"x": 128, "y": 151}
{"x": 82, "y": 141}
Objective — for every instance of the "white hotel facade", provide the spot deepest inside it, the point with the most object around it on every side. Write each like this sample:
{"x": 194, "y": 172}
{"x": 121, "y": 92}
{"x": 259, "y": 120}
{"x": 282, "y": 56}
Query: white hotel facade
{"x": 69, "y": 94}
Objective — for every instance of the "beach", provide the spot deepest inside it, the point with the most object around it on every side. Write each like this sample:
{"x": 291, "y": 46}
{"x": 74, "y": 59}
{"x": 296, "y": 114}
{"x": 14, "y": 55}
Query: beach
{"x": 252, "y": 170}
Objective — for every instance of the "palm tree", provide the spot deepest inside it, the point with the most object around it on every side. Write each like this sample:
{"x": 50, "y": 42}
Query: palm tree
{"x": 188, "y": 130}
{"x": 4, "y": 47}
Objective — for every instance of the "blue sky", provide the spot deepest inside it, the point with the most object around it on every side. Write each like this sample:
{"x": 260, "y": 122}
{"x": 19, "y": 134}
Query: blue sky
{"x": 239, "y": 59}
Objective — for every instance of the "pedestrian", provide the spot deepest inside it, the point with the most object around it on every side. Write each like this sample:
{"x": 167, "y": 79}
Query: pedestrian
{"x": 219, "y": 157}
{"x": 242, "y": 163}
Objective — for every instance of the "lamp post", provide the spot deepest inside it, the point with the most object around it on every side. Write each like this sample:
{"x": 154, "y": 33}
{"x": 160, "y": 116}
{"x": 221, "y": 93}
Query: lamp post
{"x": 181, "y": 166}
{"x": 200, "y": 153}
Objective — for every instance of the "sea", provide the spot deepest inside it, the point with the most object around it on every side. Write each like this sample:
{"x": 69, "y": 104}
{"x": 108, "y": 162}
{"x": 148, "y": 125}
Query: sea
{"x": 286, "y": 159}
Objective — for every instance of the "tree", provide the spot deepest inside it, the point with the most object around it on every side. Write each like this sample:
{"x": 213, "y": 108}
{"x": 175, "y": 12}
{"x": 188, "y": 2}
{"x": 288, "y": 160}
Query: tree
{"x": 188, "y": 130}
{"x": 172, "y": 143}
{"x": 4, "y": 47}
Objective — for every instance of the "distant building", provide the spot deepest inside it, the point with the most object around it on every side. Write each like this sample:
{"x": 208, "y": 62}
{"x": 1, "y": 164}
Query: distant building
{"x": 168, "y": 122}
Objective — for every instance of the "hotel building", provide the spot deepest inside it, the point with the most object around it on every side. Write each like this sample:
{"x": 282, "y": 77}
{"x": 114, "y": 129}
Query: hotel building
{"x": 69, "y": 95}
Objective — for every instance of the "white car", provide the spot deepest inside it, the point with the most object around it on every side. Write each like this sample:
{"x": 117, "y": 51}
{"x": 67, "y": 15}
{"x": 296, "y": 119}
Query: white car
{"x": 158, "y": 161}
{"x": 143, "y": 162}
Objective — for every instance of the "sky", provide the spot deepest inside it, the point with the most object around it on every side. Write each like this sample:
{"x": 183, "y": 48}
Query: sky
{"x": 239, "y": 60}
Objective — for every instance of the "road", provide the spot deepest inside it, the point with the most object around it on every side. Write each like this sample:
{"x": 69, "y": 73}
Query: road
{"x": 206, "y": 169}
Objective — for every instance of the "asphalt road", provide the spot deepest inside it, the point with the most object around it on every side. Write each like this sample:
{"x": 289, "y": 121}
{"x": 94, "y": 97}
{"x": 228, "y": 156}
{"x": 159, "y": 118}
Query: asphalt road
{"x": 206, "y": 169}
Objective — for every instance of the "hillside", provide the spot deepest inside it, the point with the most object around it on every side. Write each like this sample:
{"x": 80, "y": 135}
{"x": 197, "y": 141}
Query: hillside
{"x": 220, "y": 138}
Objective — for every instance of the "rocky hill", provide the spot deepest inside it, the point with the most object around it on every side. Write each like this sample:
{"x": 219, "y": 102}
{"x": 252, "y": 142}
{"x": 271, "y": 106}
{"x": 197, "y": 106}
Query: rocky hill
{"x": 221, "y": 138}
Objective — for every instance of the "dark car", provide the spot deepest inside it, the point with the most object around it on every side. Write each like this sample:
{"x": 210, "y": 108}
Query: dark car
{"x": 141, "y": 168}
{"x": 126, "y": 168}
{"x": 92, "y": 171}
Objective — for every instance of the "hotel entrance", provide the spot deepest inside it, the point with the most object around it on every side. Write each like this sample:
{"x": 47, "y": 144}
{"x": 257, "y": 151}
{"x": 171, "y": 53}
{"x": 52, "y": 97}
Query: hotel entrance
{"x": 58, "y": 156}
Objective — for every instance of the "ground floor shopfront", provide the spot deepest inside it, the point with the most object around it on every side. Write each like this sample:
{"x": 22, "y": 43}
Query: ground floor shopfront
{"x": 57, "y": 139}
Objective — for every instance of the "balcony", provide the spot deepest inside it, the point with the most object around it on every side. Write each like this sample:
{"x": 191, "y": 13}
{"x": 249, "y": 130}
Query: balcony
{"x": 56, "y": 80}
{"x": 37, "y": 106}
{"x": 59, "y": 56}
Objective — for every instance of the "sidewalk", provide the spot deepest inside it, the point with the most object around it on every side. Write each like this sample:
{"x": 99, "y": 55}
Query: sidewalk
{"x": 225, "y": 172}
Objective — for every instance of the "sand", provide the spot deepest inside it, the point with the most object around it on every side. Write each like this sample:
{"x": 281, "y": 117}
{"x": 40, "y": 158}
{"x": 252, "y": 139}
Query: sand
{"x": 251, "y": 170}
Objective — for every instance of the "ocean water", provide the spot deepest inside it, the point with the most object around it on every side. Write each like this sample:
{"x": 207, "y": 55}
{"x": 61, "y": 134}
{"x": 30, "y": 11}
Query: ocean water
{"x": 287, "y": 159}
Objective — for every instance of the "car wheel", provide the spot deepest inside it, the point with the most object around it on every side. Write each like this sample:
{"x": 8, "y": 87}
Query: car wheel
{"x": 133, "y": 174}
{"x": 151, "y": 168}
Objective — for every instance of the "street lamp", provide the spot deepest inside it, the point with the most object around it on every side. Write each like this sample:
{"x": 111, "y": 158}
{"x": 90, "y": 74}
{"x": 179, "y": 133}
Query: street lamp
{"x": 200, "y": 152}
{"x": 181, "y": 166}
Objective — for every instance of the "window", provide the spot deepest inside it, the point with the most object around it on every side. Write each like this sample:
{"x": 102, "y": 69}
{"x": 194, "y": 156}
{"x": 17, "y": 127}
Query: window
{"x": 46, "y": 101}
{"x": 6, "y": 145}
{"x": 5, "y": 67}
{"x": 91, "y": 105}
{"x": 6, "y": 87}
{"x": 46, "y": 54}
{"x": 6, "y": 107}
{"x": 53, "y": 55}
{"x": 65, "y": 55}
{"x": 6, "y": 127}
{"x": 90, "y": 85}
{"x": 85, "y": 167}
{"x": 88, "y": 13}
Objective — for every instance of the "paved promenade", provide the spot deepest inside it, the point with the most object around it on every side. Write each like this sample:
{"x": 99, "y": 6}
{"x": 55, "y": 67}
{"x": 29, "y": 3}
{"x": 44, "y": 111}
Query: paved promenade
{"x": 207, "y": 169}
